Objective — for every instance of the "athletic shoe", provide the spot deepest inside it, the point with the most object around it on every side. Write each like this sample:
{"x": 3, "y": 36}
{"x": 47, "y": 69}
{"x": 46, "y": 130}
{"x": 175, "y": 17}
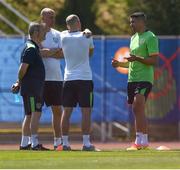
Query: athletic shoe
{"x": 145, "y": 147}
{"x": 58, "y": 148}
{"x": 40, "y": 147}
{"x": 89, "y": 148}
{"x": 134, "y": 147}
{"x": 28, "y": 147}
{"x": 66, "y": 148}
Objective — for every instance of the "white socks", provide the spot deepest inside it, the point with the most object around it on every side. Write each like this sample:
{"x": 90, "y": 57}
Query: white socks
{"x": 34, "y": 140}
{"x": 25, "y": 140}
{"x": 144, "y": 140}
{"x": 86, "y": 140}
{"x": 138, "y": 138}
{"x": 65, "y": 141}
{"x": 141, "y": 139}
{"x": 57, "y": 141}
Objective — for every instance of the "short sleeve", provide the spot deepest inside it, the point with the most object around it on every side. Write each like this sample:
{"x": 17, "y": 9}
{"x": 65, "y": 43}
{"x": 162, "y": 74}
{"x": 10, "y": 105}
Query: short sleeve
{"x": 29, "y": 56}
{"x": 59, "y": 38}
{"x": 91, "y": 43}
{"x": 152, "y": 46}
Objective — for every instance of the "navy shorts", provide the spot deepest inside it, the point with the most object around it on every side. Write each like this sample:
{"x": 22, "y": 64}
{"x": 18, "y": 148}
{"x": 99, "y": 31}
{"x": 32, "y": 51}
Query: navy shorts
{"x": 53, "y": 93}
{"x": 134, "y": 88}
{"x": 32, "y": 104}
{"x": 78, "y": 92}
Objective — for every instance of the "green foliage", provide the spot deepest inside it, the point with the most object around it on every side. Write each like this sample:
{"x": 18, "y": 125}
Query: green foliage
{"x": 109, "y": 17}
{"x": 29, "y": 8}
{"x": 81, "y": 8}
{"x": 162, "y": 15}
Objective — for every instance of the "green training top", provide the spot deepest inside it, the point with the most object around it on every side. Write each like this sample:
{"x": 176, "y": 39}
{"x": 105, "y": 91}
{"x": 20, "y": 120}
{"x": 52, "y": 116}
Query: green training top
{"x": 144, "y": 45}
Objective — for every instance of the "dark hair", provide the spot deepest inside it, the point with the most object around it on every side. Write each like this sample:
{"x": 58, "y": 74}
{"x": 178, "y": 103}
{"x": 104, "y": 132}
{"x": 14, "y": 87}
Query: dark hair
{"x": 35, "y": 26}
{"x": 140, "y": 15}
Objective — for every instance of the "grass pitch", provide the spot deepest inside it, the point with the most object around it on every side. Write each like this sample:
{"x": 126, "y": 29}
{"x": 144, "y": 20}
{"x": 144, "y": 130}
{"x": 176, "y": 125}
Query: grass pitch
{"x": 90, "y": 160}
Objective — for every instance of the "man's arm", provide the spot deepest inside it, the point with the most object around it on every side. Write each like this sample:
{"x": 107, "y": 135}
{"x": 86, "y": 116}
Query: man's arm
{"x": 53, "y": 53}
{"x": 116, "y": 63}
{"x": 152, "y": 60}
{"x": 91, "y": 52}
{"x": 22, "y": 71}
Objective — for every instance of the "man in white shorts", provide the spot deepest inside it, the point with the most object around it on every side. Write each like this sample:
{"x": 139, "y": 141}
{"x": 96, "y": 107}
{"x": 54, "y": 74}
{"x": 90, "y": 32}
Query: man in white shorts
{"x": 51, "y": 52}
{"x": 78, "y": 84}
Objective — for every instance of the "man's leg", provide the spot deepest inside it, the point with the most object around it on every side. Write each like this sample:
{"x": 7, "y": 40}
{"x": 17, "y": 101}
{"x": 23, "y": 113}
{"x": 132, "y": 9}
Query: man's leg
{"x": 34, "y": 128}
{"x": 139, "y": 112}
{"x": 140, "y": 120}
{"x": 86, "y": 125}
{"x": 56, "y": 124}
{"x": 26, "y": 132}
{"x": 65, "y": 124}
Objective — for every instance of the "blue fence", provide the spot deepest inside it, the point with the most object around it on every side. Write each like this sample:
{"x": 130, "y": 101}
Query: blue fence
{"x": 110, "y": 84}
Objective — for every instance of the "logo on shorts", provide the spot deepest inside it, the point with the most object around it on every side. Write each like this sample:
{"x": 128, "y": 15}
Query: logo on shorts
{"x": 38, "y": 105}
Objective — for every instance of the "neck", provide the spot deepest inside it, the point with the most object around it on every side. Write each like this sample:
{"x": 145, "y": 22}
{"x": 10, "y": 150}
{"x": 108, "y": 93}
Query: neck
{"x": 36, "y": 41}
{"x": 74, "y": 30}
{"x": 48, "y": 28}
{"x": 143, "y": 29}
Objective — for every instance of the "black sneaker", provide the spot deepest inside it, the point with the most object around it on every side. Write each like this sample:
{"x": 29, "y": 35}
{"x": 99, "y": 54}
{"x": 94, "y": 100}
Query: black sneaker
{"x": 90, "y": 148}
{"x": 28, "y": 147}
{"x": 40, "y": 147}
{"x": 66, "y": 148}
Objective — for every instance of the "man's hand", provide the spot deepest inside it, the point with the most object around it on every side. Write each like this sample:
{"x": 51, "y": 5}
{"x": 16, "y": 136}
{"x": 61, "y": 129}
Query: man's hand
{"x": 87, "y": 33}
{"x": 115, "y": 63}
{"x": 15, "y": 87}
{"x": 131, "y": 58}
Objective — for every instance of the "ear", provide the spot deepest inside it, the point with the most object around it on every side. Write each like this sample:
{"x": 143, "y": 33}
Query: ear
{"x": 68, "y": 27}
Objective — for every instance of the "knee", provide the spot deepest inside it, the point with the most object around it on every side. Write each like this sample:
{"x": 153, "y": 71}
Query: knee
{"x": 138, "y": 105}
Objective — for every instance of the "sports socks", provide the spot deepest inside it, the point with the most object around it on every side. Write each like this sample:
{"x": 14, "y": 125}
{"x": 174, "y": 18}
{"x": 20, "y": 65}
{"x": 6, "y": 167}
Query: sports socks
{"x": 65, "y": 141}
{"x": 57, "y": 141}
{"x": 141, "y": 139}
{"x": 144, "y": 140}
{"x": 138, "y": 138}
{"x": 34, "y": 140}
{"x": 86, "y": 140}
{"x": 25, "y": 140}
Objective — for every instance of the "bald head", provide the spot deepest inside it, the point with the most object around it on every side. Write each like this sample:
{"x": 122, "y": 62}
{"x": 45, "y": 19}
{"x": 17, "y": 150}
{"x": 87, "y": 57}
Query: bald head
{"x": 48, "y": 17}
{"x": 73, "y": 22}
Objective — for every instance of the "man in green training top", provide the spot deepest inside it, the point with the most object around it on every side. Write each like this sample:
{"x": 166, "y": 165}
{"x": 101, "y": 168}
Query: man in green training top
{"x": 143, "y": 56}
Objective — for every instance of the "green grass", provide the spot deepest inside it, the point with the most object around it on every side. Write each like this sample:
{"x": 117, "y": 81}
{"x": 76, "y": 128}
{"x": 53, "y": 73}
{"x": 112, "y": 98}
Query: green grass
{"x": 90, "y": 160}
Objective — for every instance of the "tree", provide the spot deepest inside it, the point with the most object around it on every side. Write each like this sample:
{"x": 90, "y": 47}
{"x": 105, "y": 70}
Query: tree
{"x": 81, "y": 8}
{"x": 111, "y": 16}
{"x": 163, "y": 15}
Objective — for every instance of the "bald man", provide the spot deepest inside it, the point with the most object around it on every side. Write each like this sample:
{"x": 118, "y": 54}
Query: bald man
{"x": 78, "y": 84}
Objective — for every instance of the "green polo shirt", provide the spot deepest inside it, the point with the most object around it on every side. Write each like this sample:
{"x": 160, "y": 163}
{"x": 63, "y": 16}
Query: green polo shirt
{"x": 144, "y": 45}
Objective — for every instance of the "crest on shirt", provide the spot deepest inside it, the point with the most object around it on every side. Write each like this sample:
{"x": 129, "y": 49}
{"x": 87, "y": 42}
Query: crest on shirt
{"x": 141, "y": 41}
{"x": 55, "y": 39}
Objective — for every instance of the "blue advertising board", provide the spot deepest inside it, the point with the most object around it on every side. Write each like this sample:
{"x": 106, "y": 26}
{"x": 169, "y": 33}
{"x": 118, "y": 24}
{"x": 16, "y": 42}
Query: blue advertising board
{"x": 109, "y": 84}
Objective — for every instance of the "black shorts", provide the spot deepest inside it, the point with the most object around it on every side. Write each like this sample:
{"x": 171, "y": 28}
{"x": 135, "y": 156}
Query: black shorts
{"x": 134, "y": 88}
{"x": 53, "y": 93}
{"x": 32, "y": 104}
{"x": 78, "y": 92}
